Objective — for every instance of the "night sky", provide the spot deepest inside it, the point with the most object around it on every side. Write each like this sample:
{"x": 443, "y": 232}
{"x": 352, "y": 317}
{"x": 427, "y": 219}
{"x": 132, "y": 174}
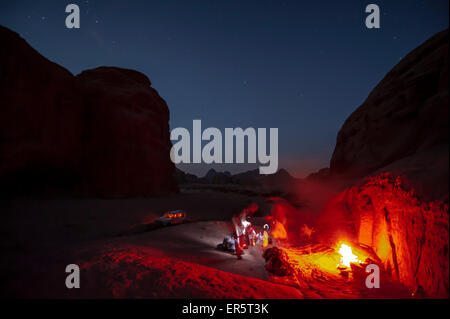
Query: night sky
{"x": 301, "y": 66}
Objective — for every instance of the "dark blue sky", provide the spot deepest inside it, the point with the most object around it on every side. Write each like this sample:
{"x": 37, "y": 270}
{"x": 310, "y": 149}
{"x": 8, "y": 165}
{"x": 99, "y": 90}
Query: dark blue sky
{"x": 301, "y": 66}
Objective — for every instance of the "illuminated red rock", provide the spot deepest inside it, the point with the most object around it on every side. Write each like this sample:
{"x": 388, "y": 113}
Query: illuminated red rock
{"x": 277, "y": 262}
{"x": 104, "y": 132}
{"x": 410, "y": 235}
{"x": 395, "y": 149}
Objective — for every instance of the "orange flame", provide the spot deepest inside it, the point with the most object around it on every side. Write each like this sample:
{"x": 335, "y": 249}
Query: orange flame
{"x": 278, "y": 231}
{"x": 347, "y": 255}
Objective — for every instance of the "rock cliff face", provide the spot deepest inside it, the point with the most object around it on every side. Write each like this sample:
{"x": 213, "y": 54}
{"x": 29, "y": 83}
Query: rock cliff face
{"x": 104, "y": 132}
{"x": 399, "y": 138}
{"x": 126, "y": 139}
{"x": 409, "y": 234}
{"x": 406, "y": 114}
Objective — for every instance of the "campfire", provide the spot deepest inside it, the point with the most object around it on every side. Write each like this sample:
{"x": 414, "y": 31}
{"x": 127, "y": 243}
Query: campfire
{"x": 321, "y": 271}
{"x": 343, "y": 259}
{"x": 347, "y": 256}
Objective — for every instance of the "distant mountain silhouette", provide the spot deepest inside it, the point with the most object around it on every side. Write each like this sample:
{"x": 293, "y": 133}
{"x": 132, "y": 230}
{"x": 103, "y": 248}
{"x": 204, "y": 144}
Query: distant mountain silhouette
{"x": 214, "y": 177}
{"x": 252, "y": 177}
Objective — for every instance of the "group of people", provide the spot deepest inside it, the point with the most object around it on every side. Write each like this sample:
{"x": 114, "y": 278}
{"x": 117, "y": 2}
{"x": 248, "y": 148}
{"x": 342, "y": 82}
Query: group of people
{"x": 244, "y": 232}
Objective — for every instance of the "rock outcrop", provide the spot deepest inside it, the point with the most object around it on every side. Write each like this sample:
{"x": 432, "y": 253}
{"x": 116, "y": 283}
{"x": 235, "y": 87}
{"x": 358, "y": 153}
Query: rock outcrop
{"x": 409, "y": 235}
{"x": 126, "y": 139}
{"x": 277, "y": 261}
{"x": 394, "y": 148}
{"x": 104, "y": 132}
{"x": 406, "y": 114}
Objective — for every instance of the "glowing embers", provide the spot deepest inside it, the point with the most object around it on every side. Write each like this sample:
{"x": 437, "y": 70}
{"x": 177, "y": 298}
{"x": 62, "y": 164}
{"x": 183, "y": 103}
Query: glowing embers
{"x": 313, "y": 259}
{"x": 347, "y": 256}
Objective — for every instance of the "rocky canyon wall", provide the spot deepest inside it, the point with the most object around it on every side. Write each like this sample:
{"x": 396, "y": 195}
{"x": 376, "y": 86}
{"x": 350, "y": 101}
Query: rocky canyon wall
{"x": 394, "y": 148}
{"x": 104, "y": 132}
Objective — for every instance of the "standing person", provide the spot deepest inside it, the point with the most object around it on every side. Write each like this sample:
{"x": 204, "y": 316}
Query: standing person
{"x": 251, "y": 234}
{"x": 240, "y": 225}
{"x": 266, "y": 236}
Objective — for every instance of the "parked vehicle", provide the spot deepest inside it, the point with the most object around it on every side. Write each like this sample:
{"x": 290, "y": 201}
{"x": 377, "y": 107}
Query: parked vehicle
{"x": 172, "y": 217}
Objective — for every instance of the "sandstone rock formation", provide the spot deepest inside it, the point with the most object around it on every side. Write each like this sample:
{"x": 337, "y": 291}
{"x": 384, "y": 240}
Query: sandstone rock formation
{"x": 406, "y": 114}
{"x": 102, "y": 133}
{"x": 397, "y": 141}
{"x": 277, "y": 261}
{"x": 126, "y": 139}
{"x": 410, "y": 235}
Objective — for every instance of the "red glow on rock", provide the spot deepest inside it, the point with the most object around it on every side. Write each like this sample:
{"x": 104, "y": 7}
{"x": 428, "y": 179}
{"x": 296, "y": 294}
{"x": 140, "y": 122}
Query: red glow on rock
{"x": 407, "y": 233}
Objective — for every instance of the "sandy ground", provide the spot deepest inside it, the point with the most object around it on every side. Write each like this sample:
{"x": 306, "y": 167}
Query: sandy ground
{"x": 196, "y": 242}
{"x": 120, "y": 257}
{"x": 43, "y": 236}
{"x": 34, "y": 223}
